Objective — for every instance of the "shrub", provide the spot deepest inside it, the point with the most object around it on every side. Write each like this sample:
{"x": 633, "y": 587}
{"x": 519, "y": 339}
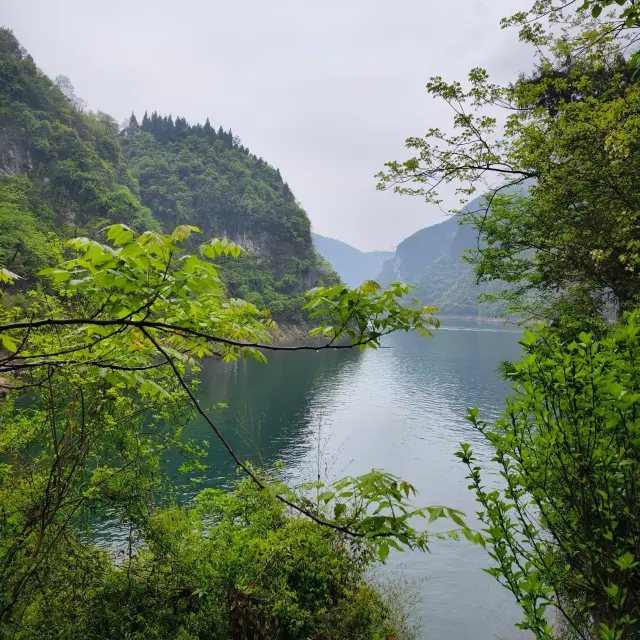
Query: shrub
{"x": 234, "y": 565}
{"x": 564, "y": 532}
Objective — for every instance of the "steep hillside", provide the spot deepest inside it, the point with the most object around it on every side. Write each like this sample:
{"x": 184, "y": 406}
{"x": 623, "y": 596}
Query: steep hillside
{"x": 61, "y": 169}
{"x": 430, "y": 260}
{"x": 67, "y": 171}
{"x": 193, "y": 173}
{"x": 352, "y": 265}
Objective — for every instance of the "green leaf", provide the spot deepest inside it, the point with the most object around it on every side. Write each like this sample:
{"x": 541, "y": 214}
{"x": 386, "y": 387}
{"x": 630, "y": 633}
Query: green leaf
{"x": 339, "y": 509}
{"x": 9, "y": 343}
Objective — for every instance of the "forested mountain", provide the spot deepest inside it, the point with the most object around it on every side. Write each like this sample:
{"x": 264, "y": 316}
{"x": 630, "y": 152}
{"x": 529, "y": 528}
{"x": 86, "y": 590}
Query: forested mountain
{"x": 195, "y": 174}
{"x": 71, "y": 172}
{"x": 61, "y": 169}
{"x": 351, "y": 264}
{"x": 431, "y": 260}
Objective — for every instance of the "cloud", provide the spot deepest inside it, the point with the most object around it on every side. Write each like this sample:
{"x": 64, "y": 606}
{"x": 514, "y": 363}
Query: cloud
{"x": 325, "y": 91}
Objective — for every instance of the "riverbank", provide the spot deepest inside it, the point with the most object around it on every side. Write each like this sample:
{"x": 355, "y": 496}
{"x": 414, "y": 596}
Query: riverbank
{"x": 479, "y": 320}
{"x": 290, "y": 333}
{"x": 298, "y": 333}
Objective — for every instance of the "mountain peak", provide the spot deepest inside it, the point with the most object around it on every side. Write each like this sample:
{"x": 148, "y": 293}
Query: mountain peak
{"x": 351, "y": 264}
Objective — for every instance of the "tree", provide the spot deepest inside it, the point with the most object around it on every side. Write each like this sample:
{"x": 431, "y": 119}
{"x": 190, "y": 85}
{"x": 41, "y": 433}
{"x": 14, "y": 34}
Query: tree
{"x": 564, "y": 533}
{"x": 208, "y": 130}
{"x": 222, "y": 190}
{"x": 64, "y": 84}
{"x": 629, "y": 12}
{"x": 182, "y": 129}
{"x": 133, "y": 123}
{"x": 109, "y": 123}
{"x": 533, "y": 24}
{"x": 24, "y": 248}
{"x": 561, "y": 215}
{"x": 128, "y": 322}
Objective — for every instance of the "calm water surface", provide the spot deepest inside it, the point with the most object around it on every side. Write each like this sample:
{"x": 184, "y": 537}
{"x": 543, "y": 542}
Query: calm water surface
{"x": 400, "y": 409}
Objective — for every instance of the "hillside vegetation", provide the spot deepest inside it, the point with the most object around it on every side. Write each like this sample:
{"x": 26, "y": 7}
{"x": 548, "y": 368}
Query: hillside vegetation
{"x": 67, "y": 171}
{"x": 431, "y": 260}
{"x": 100, "y": 356}
{"x": 197, "y": 175}
{"x": 61, "y": 169}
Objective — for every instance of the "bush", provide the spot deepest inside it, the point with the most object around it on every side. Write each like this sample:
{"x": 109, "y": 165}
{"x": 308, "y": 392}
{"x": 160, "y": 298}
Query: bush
{"x": 235, "y": 565}
{"x": 565, "y": 532}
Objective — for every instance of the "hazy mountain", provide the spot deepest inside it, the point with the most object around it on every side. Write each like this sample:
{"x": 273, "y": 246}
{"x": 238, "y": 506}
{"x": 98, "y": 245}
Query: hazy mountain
{"x": 351, "y": 264}
{"x": 430, "y": 260}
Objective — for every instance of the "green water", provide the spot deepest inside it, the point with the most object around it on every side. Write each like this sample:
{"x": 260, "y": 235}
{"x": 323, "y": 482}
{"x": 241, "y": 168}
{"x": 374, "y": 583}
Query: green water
{"x": 400, "y": 408}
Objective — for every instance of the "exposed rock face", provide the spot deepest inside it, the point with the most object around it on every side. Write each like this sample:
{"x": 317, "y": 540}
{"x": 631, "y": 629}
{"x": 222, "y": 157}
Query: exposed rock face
{"x": 14, "y": 158}
{"x": 258, "y": 245}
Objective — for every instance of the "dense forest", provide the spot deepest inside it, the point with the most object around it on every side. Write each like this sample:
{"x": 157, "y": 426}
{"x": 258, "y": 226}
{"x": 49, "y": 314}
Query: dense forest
{"x": 124, "y": 264}
{"x": 67, "y": 171}
{"x": 62, "y": 170}
{"x": 197, "y": 175}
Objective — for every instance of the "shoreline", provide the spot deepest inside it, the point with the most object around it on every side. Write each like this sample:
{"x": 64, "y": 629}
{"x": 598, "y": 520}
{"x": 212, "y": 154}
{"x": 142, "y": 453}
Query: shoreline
{"x": 297, "y": 332}
{"x": 502, "y": 321}
{"x": 291, "y": 333}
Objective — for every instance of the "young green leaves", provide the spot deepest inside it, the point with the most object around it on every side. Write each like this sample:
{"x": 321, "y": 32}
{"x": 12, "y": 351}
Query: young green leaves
{"x": 364, "y": 315}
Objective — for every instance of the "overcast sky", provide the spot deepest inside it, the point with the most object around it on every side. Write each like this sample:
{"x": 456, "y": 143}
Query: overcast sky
{"x": 326, "y": 91}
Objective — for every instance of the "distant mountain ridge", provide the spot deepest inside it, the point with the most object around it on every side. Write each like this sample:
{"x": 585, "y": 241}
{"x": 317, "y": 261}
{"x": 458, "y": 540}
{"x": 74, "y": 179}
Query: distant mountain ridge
{"x": 352, "y": 265}
{"x": 430, "y": 259}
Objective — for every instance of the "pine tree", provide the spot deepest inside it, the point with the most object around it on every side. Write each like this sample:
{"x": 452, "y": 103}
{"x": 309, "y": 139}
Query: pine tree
{"x": 146, "y": 123}
{"x": 170, "y": 130}
{"x": 208, "y": 129}
{"x": 156, "y": 122}
{"x": 181, "y": 128}
{"x": 134, "y": 127}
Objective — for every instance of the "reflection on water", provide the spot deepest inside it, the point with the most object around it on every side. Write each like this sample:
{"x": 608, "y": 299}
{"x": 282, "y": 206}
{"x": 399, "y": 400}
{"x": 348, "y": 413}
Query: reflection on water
{"x": 400, "y": 408}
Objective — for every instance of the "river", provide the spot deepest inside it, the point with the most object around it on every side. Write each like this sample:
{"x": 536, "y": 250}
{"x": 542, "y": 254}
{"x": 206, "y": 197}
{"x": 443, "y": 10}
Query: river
{"x": 401, "y": 409}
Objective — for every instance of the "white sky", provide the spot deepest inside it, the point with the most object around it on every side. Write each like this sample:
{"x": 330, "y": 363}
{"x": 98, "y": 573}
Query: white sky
{"x": 326, "y": 91}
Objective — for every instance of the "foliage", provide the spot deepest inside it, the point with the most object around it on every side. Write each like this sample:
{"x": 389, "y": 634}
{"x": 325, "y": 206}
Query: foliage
{"x": 74, "y": 172}
{"x": 628, "y": 13}
{"x": 105, "y": 370}
{"x": 366, "y": 314}
{"x": 534, "y": 24}
{"x": 237, "y": 565}
{"x": 24, "y": 247}
{"x": 570, "y": 141}
{"x": 195, "y": 174}
{"x": 430, "y": 260}
{"x": 563, "y": 533}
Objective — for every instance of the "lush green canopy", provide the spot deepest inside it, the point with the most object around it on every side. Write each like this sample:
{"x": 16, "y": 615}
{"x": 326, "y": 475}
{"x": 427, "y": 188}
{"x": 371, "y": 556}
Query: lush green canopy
{"x": 561, "y": 170}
